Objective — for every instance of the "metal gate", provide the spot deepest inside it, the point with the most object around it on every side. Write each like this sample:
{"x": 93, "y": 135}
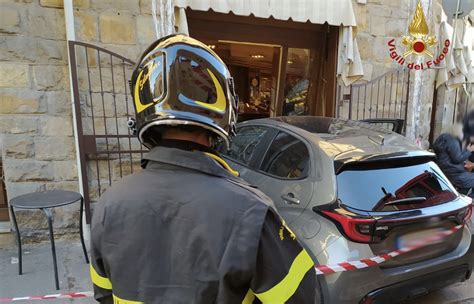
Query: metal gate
{"x": 384, "y": 97}
{"x": 108, "y": 151}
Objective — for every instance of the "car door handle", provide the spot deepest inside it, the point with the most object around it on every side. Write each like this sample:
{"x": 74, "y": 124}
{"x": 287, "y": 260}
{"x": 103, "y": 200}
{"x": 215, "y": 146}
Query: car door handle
{"x": 290, "y": 199}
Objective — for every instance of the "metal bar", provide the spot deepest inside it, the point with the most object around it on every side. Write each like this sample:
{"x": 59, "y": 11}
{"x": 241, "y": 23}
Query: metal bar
{"x": 93, "y": 118}
{"x": 365, "y": 99}
{"x": 384, "y": 91}
{"x": 81, "y": 231}
{"x": 378, "y": 97}
{"x": 401, "y": 97}
{"x": 128, "y": 115}
{"x": 18, "y": 239}
{"x": 108, "y": 136}
{"x": 371, "y": 99}
{"x": 466, "y": 108}
{"x": 406, "y": 103}
{"x": 119, "y": 151}
{"x": 115, "y": 112}
{"x": 434, "y": 106}
{"x": 396, "y": 95}
{"x": 49, "y": 216}
{"x": 373, "y": 80}
{"x": 98, "y": 48}
{"x": 338, "y": 98}
{"x": 105, "y": 120}
{"x": 80, "y": 134}
{"x": 358, "y": 98}
{"x": 390, "y": 99}
{"x": 455, "y": 105}
{"x": 350, "y": 103}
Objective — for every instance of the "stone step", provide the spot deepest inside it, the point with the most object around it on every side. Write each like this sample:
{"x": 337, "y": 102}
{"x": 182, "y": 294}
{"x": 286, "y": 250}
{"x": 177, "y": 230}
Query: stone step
{"x": 5, "y": 227}
{"x": 7, "y": 238}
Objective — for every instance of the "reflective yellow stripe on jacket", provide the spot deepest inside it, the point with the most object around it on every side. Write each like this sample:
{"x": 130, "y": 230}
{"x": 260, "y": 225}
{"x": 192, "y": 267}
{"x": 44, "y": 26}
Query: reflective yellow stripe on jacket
{"x": 118, "y": 300}
{"x": 283, "y": 291}
{"x": 99, "y": 280}
{"x": 105, "y": 283}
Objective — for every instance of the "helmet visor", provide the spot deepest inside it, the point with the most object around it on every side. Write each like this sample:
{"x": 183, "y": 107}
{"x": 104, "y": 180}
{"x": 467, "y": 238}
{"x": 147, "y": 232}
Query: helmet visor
{"x": 198, "y": 82}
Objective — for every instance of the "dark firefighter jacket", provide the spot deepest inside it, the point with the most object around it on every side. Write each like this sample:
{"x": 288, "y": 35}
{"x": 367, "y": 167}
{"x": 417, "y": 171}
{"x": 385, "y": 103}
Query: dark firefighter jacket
{"x": 185, "y": 230}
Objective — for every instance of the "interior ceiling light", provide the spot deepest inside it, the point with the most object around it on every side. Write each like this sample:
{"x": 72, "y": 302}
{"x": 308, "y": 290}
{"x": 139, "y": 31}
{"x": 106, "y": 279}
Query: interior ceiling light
{"x": 257, "y": 56}
{"x": 290, "y": 61}
{"x": 211, "y": 46}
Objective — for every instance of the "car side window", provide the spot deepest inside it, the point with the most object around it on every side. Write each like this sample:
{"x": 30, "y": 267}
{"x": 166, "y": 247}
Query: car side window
{"x": 287, "y": 157}
{"x": 245, "y": 142}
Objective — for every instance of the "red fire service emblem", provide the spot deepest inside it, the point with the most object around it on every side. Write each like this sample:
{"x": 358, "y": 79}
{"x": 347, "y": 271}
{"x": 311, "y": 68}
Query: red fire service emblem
{"x": 418, "y": 43}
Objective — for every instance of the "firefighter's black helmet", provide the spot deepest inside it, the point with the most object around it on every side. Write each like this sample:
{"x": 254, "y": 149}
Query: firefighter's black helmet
{"x": 179, "y": 81}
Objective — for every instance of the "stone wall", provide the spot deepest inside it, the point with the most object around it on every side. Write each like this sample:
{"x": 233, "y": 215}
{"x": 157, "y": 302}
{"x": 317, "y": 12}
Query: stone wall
{"x": 36, "y": 127}
{"x": 379, "y": 21}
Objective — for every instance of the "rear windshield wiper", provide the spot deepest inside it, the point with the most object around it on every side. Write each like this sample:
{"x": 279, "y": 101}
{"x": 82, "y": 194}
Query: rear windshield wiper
{"x": 408, "y": 200}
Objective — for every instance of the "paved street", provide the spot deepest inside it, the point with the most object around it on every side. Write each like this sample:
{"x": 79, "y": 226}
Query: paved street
{"x": 38, "y": 276}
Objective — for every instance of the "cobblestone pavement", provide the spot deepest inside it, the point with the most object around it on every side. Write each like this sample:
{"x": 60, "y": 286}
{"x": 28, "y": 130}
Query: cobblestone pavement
{"x": 38, "y": 277}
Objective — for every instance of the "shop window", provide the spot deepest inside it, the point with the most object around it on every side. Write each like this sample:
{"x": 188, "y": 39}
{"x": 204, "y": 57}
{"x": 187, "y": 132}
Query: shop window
{"x": 297, "y": 80}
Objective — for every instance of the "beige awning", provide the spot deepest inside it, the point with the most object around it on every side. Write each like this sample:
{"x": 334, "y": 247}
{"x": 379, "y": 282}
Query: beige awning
{"x": 456, "y": 70}
{"x": 334, "y": 12}
{"x": 349, "y": 65}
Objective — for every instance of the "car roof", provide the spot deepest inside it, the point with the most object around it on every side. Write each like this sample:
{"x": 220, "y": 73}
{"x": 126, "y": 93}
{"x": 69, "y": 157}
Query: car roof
{"x": 346, "y": 140}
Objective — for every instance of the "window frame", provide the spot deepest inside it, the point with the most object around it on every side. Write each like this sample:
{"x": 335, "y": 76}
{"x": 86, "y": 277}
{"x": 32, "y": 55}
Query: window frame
{"x": 303, "y": 140}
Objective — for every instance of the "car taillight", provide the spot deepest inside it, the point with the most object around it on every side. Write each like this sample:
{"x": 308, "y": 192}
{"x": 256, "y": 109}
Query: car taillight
{"x": 468, "y": 215}
{"x": 465, "y": 215}
{"x": 356, "y": 229}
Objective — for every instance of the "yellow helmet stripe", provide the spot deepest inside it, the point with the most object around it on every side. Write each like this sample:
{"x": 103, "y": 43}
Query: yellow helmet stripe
{"x": 136, "y": 95}
{"x": 221, "y": 102}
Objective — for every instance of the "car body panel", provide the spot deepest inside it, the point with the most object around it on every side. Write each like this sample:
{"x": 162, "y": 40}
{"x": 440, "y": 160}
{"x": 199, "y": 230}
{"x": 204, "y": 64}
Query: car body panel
{"x": 349, "y": 143}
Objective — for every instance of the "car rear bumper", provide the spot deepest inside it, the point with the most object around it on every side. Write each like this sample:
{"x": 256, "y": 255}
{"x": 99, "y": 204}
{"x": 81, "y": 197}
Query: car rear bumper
{"x": 418, "y": 286}
{"x": 352, "y": 286}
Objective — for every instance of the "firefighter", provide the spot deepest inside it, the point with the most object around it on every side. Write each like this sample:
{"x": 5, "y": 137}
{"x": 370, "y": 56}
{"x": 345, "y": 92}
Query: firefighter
{"x": 187, "y": 229}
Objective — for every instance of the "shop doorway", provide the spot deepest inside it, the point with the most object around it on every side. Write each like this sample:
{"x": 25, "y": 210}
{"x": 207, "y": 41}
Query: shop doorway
{"x": 279, "y": 67}
{"x": 255, "y": 78}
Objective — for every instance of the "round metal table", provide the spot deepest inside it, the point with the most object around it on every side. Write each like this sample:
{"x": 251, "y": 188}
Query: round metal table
{"x": 44, "y": 201}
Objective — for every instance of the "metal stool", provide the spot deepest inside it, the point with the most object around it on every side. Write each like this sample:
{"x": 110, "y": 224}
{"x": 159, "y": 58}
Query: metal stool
{"x": 44, "y": 201}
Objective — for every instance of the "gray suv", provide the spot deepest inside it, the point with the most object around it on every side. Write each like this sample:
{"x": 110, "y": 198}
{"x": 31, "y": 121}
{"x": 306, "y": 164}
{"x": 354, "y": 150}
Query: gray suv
{"x": 352, "y": 191}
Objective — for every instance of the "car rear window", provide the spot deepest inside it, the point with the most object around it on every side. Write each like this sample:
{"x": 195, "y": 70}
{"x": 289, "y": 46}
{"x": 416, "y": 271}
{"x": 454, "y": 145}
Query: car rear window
{"x": 374, "y": 189}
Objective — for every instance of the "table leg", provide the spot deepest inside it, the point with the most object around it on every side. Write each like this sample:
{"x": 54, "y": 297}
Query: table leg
{"x": 53, "y": 247}
{"x": 81, "y": 230}
{"x": 18, "y": 239}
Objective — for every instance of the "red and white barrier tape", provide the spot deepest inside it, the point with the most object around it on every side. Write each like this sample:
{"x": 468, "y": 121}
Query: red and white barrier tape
{"x": 320, "y": 269}
{"x": 84, "y": 294}
{"x": 364, "y": 263}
